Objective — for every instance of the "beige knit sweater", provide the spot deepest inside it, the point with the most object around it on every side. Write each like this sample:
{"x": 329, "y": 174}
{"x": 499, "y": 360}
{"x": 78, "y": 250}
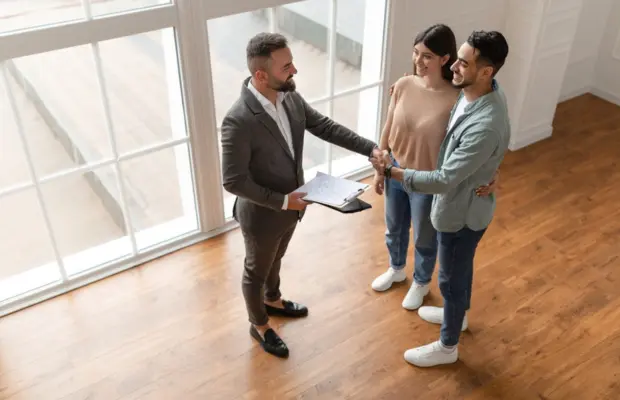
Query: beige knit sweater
{"x": 416, "y": 122}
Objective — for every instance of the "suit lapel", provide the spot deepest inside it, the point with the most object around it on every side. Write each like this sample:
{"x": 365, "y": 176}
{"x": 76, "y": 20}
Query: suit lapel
{"x": 265, "y": 119}
{"x": 272, "y": 127}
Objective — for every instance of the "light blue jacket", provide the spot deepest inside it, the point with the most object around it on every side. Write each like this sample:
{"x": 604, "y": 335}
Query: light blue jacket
{"x": 470, "y": 154}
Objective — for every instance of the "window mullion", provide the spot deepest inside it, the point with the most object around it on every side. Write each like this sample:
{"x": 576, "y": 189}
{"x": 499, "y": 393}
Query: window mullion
{"x": 198, "y": 96}
{"x": 331, "y": 73}
{"x": 71, "y": 34}
{"x": 105, "y": 101}
{"x": 33, "y": 173}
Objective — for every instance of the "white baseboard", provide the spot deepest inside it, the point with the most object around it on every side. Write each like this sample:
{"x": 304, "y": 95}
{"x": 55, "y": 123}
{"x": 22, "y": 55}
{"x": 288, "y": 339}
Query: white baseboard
{"x": 605, "y": 95}
{"x": 540, "y": 132}
{"x": 530, "y": 136}
{"x": 574, "y": 93}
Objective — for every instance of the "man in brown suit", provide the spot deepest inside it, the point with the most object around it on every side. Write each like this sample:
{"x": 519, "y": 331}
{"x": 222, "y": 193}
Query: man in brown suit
{"x": 262, "y": 153}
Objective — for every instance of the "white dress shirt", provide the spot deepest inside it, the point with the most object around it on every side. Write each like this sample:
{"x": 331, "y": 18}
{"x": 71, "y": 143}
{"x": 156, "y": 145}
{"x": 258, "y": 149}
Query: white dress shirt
{"x": 278, "y": 113}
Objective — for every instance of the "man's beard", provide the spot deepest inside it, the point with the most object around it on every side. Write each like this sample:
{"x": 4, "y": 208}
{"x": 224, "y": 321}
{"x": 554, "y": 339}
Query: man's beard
{"x": 464, "y": 83}
{"x": 286, "y": 86}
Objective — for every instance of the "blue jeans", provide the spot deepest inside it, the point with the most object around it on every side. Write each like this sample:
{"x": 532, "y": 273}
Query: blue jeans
{"x": 401, "y": 210}
{"x": 456, "y": 273}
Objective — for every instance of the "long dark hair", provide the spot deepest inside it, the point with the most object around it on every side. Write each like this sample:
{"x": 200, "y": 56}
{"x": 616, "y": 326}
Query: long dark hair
{"x": 439, "y": 39}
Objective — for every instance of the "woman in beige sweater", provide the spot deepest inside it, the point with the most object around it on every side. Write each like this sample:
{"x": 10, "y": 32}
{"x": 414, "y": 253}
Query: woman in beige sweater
{"x": 416, "y": 124}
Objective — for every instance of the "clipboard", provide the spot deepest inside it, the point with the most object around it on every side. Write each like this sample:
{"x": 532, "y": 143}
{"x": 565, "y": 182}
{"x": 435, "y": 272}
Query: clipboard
{"x": 355, "y": 195}
{"x": 354, "y": 206}
{"x": 348, "y": 202}
{"x": 334, "y": 192}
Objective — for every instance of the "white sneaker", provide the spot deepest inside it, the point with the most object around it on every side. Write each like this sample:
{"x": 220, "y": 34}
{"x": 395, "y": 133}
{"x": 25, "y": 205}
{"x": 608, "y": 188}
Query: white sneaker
{"x": 384, "y": 281}
{"x": 431, "y": 354}
{"x": 434, "y": 315}
{"x": 415, "y": 296}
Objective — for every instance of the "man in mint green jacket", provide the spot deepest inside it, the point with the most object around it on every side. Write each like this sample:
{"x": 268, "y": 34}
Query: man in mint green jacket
{"x": 476, "y": 141}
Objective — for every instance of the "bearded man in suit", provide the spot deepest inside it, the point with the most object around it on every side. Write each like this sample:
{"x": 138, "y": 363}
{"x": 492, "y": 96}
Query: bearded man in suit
{"x": 262, "y": 153}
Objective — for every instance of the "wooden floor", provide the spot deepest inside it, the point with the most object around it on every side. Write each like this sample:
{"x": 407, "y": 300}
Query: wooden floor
{"x": 547, "y": 281}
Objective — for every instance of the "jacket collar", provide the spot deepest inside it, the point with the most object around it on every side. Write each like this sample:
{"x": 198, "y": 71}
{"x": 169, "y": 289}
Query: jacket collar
{"x": 493, "y": 97}
{"x": 482, "y": 101}
{"x": 254, "y": 99}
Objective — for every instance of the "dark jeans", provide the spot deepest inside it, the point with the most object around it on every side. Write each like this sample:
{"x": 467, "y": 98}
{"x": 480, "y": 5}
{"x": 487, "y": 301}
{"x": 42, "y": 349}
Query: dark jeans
{"x": 456, "y": 272}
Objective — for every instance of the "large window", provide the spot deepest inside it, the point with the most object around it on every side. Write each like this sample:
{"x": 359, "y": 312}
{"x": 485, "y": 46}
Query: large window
{"x": 337, "y": 46}
{"x": 109, "y": 119}
{"x": 25, "y": 14}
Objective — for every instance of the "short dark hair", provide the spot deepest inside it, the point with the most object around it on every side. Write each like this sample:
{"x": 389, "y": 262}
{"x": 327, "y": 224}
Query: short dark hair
{"x": 492, "y": 48}
{"x": 260, "y": 47}
{"x": 439, "y": 39}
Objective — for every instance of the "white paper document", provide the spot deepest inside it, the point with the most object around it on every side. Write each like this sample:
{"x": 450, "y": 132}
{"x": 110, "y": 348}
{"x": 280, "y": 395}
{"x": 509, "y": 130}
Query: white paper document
{"x": 329, "y": 190}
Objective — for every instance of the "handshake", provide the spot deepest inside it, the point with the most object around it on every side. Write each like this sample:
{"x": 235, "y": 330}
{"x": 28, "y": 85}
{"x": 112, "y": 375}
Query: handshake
{"x": 380, "y": 160}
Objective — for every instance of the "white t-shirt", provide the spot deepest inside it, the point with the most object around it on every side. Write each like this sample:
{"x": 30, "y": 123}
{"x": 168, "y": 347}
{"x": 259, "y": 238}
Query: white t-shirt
{"x": 460, "y": 108}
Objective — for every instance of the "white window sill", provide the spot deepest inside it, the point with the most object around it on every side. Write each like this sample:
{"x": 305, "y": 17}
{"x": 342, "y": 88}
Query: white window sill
{"x": 96, "y": 257}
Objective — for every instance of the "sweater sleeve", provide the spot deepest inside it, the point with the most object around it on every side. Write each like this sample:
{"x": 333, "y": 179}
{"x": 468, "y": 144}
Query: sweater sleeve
{"x": 385, "y": 134}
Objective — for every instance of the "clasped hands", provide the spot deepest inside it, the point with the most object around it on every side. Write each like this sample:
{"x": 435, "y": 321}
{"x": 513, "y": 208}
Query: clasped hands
{"x": 380, "y": 159}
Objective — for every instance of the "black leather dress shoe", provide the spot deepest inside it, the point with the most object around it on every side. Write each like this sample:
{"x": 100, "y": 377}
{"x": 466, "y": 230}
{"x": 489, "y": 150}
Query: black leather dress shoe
{"x": 291, "y": 309}
{"x": 271, "y": 343}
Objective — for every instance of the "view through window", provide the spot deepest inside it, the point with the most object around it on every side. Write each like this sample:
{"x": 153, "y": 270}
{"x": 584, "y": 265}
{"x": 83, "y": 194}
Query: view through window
{"x": 103, "y": 163}
{"x": 96, "y": 137}
{"x": 337, "y": 48}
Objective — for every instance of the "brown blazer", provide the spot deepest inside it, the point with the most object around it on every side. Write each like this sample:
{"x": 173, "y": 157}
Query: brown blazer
{"x": 257, "y": 165}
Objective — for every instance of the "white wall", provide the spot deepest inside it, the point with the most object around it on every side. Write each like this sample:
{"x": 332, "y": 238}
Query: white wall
{"x": 579, "y": 77}
{"x": 407, "y": 18}
{"x": 541, "y": 35}
{"x": 410, "y": 17}
{"x": 558, "y": 49}
{"x": 606, "y": 78}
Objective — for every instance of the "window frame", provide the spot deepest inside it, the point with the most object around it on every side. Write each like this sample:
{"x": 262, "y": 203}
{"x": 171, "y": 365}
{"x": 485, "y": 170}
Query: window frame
{"x": 188, "y": 19}
{"x": 354, "y": 171}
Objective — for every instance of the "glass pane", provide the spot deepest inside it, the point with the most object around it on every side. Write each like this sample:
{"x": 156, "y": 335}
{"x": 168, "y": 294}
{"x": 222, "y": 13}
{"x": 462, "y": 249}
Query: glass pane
{"x": 228, "y": 37}
{"x": 143, "y": 88}
{"x": 27, "y": 257}
{"x": 64, "y": 121}
{"x": 13, "y": 163}
{"x": 315, "y": 149}
{"x": 160, "y": 195}
{"x": 116, "y": 6}
{"x": 87, "y": 218}
{"x": 359, "y": 112}
{"x": 359, "y": 42}
{"x": 303, "y": 24}
{"x": 20, "y": 14}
